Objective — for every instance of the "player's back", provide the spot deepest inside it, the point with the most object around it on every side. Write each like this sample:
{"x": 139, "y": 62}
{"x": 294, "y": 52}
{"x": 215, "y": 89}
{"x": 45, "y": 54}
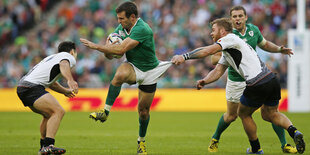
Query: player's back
{"x": 242, "y": 57}
{"x": 47, "y": 71}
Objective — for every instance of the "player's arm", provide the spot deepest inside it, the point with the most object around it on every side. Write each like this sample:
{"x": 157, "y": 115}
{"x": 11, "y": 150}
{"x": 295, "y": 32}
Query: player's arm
{"x": 65, "y": 71}
{"x": 197, "y": 53}
{"x": 215, "y": 58}
{"x": 273, "y": 48}
{"x": 60, "y": 89}
{"x": 214, "y": 75}
{"x": 118, "y": 49}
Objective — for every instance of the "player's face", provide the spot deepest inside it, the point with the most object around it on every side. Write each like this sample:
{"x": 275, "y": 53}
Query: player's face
{"x": 215, "y": 34}
{"x": 238, "y": 19}
{"x": 124, "y": 21}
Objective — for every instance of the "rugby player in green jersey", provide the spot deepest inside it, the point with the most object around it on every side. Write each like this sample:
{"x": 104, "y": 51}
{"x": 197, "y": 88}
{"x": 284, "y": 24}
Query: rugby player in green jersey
{"x": 236, "y": 84}
{"x": 141, "y": 66}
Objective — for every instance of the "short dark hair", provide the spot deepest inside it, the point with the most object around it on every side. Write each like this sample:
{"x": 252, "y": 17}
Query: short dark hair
{"x": 223, "y": 22}
{"x": 66, "y": 46}
{"x": 129, "y": 8}
{"x": 239, "y": 7}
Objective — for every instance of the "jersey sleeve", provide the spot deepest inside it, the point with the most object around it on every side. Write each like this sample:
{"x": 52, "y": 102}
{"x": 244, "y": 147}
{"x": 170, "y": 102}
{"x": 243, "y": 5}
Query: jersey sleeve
{"x": 139, "y": 34}
{"x": 223, "y": 61}
{"x": 69, "y": 57}
{"x": 226, "y": 42}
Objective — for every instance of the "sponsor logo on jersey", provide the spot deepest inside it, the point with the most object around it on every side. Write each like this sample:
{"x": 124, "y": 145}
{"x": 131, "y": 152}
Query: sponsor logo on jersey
{"x": 120, "y": 32}
{"x": 251, "y": 33}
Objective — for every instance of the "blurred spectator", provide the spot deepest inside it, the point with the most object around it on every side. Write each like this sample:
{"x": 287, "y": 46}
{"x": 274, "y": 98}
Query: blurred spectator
{"x": 178, "y": 25}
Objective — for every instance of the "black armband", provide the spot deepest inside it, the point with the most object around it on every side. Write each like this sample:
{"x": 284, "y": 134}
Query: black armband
{"x": 185, "y": 56}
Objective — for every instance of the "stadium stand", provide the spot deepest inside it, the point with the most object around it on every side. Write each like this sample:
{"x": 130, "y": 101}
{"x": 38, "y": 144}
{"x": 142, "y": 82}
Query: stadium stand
{"x": 28, "y": 33}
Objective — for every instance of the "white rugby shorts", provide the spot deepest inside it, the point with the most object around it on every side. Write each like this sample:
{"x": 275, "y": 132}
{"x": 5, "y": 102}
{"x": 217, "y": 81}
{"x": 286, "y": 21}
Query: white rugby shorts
{"x": 234, "y": 90}
{"x": 151, "y": 76}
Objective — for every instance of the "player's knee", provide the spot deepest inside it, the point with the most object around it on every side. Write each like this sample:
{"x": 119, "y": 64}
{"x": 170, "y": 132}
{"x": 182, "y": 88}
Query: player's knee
{"x": 148, "y": 88}
{"x": 62, "y": 112}
{"x": 59, "y": 111}
{"x": 144, "y": 114}
{"x": 266, "y": 116}
{"x": 232, "y": 118}
{"x": 120, "y": 77}
{"x": 242, "y": 114}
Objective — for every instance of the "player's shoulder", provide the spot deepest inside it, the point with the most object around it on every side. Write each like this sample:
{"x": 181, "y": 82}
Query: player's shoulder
{"x": 142, "y": 27}
{"x": 231, "y": 36}
{"x": 251, "y": 26}
{"x": 64, "y": 54}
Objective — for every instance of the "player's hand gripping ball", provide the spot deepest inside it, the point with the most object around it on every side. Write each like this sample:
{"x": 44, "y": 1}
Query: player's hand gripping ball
{"x": 115, "y": 38}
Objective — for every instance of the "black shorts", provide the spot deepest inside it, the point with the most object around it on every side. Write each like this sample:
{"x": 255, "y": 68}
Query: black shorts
{"x": 268, "y": 93}
{"x": 28, "y": 95}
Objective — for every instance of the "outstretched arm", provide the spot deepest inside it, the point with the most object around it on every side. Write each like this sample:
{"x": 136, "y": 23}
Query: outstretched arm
{"x": 66, "y": 73}
{"x": 214, "y": 75}
{"x": 273, "y": 48}
{"x": 197, "y": 53}
{"x": 118, "y": 49}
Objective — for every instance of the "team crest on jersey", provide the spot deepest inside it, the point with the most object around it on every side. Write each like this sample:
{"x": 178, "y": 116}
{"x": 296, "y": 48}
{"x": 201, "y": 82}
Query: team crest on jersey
{"x": 251, "y": 33}
{"x": 121, "y": 33}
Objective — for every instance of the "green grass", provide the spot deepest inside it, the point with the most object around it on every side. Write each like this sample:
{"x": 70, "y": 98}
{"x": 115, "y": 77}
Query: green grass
{"x": 168, "y": 133}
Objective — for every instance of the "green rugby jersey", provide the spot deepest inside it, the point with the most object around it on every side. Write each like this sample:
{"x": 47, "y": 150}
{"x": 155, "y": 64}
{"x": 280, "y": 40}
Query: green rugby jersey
{"x": 143, "y": 55}
{"x": 253, "y": 37}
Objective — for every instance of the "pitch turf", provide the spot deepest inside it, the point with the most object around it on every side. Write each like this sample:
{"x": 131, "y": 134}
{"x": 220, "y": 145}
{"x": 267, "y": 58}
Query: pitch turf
{"x": 168, "y": 133}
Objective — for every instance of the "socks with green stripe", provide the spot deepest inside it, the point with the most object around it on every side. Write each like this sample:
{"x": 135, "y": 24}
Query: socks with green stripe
{"x": 221, "y": 126}
{"x": 280, "y": 133}
{"x": 143, "y": 127}
{"x": 112, "y": 95}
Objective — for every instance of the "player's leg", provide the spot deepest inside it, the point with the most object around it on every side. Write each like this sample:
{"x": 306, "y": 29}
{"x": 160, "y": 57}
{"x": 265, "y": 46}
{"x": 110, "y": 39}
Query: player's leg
{"x": 245, "y": 112}
{"x": 271, "y": 114}
{"x": 51, "y": 110}
{"x": 124, "y": 74}
{"x": 234, "y": 91}
{"x": 43, "y": 130}
{"x": 146, "y": 95}
{"x": 42, "y": 126}
{"x": 286, "y": 148}
{"x": 223, "y": 123}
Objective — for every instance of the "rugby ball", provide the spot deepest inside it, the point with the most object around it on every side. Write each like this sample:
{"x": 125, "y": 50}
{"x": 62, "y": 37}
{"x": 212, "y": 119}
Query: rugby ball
{"x": 114, "y": 37}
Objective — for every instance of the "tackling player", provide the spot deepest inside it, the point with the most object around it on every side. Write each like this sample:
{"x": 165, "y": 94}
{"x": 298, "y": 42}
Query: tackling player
{"x": 262, "y": 86}
{"x": 142, "y": 66}
{"x": 31, "y": 91}
{"x": 236, "y": 84}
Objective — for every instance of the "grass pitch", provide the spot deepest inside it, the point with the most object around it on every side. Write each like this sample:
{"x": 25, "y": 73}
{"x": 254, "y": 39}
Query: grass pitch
{"x": 168, "y": 133}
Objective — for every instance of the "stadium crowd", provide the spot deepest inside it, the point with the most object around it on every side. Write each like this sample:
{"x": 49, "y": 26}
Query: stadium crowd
{"x": 178, "y": 26}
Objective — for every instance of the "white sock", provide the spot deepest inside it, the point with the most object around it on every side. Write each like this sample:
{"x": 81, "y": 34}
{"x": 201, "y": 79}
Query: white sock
{"x": 141, "y": 139}
{"x": 107, "y": 107}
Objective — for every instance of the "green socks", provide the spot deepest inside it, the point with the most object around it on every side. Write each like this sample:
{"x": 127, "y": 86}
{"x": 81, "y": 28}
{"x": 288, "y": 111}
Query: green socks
{"x": 143, "y": 127}
{"x": 221, "y": 126}
{"x": 280, "y": 133}
{"x": 112, "y": 95}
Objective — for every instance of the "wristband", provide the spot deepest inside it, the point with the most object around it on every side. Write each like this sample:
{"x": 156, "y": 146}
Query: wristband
{"x": 185, "y": 56}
